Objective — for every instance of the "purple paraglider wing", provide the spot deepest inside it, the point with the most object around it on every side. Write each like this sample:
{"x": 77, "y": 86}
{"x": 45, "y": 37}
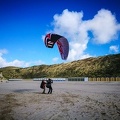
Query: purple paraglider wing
{"x": 63, "y": 47}
{"x": 62, "y": 43}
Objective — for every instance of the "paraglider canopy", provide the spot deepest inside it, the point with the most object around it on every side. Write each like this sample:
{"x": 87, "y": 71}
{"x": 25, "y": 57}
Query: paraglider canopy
{"x": 62, "y": 43}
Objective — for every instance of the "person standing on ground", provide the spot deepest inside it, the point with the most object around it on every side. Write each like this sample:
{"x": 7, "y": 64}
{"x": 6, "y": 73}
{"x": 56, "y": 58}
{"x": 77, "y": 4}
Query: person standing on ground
{"x": 43, "y": 83}
{"x": 48, "y": 85}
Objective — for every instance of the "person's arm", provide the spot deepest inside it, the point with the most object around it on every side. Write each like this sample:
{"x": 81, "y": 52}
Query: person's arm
{"x": 51, "y": 81}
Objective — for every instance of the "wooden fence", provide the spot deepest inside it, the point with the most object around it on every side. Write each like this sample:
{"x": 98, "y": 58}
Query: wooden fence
{"x": 104, "y": 79}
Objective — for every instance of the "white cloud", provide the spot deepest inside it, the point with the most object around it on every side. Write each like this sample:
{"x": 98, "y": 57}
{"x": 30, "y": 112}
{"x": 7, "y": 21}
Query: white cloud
{"x": 38, "y": 62}
{"x": 114, "y": 48}
{"x": 3, "y": 51}
{"x": 55, "y": 59}
{"x": 103, "y": 26}
{"x": 67, "y": 22}
{"x": 70, "y": 24}
{"x": 17, "y": 63}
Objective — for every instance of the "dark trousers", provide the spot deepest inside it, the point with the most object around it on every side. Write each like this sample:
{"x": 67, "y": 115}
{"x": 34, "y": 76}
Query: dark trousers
{"x": 50, "y": 90}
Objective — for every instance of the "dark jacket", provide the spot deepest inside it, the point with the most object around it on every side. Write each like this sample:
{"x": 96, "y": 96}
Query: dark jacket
{"x": 49, "y": 82}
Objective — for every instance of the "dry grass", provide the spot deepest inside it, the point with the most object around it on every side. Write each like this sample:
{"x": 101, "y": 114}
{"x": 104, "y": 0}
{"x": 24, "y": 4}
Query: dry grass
{"x": 104, "y": 66}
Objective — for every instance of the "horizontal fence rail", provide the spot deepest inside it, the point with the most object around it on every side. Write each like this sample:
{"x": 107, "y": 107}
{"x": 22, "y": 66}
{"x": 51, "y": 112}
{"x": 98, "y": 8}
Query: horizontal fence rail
{"x": 81, "y": 79}
{"x": 73, "y": 79}
{"x": 104, "y": 79}
{"x": 15, "y": 79}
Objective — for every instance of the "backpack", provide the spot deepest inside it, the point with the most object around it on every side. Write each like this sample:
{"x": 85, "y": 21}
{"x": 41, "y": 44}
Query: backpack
{"x": 41, "y": 85}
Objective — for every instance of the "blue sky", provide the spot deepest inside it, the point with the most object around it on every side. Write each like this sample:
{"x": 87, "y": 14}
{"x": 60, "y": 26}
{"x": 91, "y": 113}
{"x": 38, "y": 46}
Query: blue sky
{"x": 92, "y": 28}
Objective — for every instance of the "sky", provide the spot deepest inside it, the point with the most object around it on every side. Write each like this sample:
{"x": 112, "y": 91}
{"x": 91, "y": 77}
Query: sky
{"x": 92, "y": 28}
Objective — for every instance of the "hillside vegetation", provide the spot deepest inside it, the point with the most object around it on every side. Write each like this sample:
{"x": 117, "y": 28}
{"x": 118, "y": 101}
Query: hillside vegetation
{"x": 104, "y": 66}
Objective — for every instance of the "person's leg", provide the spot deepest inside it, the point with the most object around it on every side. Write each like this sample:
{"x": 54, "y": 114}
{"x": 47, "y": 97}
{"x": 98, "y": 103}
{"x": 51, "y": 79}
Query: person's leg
{"x": 50, "y": 90}
{"x": 44, "y": 90}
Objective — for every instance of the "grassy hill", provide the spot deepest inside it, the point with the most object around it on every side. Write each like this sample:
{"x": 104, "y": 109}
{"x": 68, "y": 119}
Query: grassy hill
{"x": 103, "y": 66}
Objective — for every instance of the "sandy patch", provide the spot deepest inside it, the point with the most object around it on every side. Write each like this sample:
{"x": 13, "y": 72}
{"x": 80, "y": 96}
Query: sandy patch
{"x": 69, "y": 101}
